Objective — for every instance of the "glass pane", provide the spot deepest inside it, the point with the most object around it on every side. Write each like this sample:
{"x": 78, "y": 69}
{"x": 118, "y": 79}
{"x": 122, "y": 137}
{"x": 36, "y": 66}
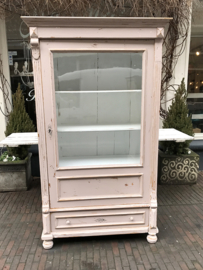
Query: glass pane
{"x": 98, "y": 108}
{"x": 97, "y": 71}
{"x": 195, "y": 83}
{"x": 195, "y": 106}
{"x": 99, "y": 148}
{"x": 20, "y": 64}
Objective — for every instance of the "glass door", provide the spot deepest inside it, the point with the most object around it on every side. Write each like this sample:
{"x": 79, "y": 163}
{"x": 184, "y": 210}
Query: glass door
{"x": 98, "y": 99}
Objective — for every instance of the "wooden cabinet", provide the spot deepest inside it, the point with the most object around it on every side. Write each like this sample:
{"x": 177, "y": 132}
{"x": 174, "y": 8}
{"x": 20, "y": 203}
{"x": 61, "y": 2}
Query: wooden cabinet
{"x": 97, "y": 86}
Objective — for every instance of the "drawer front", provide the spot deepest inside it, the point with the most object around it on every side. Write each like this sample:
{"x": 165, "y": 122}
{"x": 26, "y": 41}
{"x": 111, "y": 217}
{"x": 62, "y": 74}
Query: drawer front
{"x": 86, "y": 220}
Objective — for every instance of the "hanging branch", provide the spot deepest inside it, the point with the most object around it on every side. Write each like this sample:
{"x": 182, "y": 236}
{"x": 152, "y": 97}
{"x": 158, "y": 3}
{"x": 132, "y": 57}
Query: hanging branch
{"x": 5, "y": 88}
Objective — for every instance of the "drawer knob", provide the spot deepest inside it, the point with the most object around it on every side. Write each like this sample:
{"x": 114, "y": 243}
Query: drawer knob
{"x": 131, "y": 218}
{"x": 68, "y": 222}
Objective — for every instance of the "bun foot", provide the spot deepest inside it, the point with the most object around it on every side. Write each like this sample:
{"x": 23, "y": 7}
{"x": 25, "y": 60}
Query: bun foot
{"x": 47, "y": 244}
{"x": 151, "y": 238}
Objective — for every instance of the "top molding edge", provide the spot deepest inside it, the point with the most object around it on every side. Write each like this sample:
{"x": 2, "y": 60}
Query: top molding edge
{"x": 95, "y": 22}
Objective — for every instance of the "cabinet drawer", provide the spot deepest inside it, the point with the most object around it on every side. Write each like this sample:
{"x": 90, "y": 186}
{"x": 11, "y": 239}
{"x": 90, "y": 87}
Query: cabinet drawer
{"x": 99, "y": 219}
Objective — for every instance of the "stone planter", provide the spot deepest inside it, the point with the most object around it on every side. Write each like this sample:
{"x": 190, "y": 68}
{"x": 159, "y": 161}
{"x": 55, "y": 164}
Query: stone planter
{"x": 15, "y": 176}
{"x": 178, "y": 170}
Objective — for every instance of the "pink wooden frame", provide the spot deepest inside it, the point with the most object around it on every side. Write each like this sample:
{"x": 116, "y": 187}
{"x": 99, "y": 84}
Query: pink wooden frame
{"x": 144, "y": 61}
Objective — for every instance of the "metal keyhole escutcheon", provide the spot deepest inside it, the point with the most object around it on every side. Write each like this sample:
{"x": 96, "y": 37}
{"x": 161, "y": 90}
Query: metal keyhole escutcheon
{"x": 50, "y": 130}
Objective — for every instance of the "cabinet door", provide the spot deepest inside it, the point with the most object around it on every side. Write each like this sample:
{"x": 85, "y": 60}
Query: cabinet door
{"x": 96, "y": 98}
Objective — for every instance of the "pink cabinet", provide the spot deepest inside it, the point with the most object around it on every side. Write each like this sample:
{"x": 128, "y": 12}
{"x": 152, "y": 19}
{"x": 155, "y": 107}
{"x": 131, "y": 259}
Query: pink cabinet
{"x": 97, "y": 86}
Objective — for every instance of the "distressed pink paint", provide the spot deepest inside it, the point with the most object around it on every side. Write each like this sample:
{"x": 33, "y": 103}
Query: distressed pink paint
{"x": 105, "y": 199}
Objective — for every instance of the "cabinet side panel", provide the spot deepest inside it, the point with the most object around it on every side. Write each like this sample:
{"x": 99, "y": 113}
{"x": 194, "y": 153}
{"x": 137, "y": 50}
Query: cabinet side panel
{"x": 155, "y": 100}
{"x": 41, "y": 127}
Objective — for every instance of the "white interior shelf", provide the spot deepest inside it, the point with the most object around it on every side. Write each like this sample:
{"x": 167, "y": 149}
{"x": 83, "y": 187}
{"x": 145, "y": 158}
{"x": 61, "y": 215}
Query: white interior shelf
{"x": 97, "y": 91}
{"x": 98, "y": 128}
{"x": 99, "y": 160}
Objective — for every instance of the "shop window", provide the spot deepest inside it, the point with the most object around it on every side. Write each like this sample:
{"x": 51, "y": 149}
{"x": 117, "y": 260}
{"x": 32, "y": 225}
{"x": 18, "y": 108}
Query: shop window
{"x": 20, "y": 62}
{"x": 195, "y": 75}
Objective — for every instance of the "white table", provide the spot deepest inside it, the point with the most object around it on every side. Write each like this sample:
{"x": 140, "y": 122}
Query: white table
{"x": 172, "y": 134}
{"x": 31, "y": 138}
{"x": 24, "y": 138}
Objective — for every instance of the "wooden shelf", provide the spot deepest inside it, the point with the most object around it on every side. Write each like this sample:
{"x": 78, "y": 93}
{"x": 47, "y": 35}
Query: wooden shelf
{"x": 98, "y": 128}
{"x": 98, "y": 160}
{"x": 97, "y": 91}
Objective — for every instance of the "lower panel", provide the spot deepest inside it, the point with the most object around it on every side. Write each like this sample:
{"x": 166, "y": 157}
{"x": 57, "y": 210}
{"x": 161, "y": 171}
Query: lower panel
{"x": 99, "y": 187}
{"x": 99, "y": 221}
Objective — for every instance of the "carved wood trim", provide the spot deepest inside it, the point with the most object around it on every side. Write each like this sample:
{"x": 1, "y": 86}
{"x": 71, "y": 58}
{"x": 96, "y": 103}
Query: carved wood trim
{"x": 160, "y": 33}
{"x": 94, "y": 22}
{"x": 34, "y": 41}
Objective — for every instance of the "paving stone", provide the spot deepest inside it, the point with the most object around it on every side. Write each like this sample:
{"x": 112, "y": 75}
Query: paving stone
{"x": 118, "y": 263}
{"x": 183, "y": 266}
{"x": 2, "y": 262}
{"x": 132, "y": 263}
{"x": 124, "y": 258}
{"x": 56, "y": 261}
{"x": 29, "y": 262}
{"x": 15, "y": 263}
{"x": 104, "y": 264}
{"x": 140, "y": 267}
{"x": 34, "y": 265}
{"x": 62, "y": 261}
{"x": 115, "y": 248}
{"x": 128, "y": 248}
{"x": 96, "y": 257}
{"x": 110, "y": 259}
{"x": 21, "y": 266}
{"x": 137, "y": 256}
{"x": 42, "y": 262}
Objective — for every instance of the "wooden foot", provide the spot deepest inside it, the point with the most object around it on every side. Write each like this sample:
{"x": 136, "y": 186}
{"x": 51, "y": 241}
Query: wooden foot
{"x": 151, "y": 238}
{"x": 47, "y": 244}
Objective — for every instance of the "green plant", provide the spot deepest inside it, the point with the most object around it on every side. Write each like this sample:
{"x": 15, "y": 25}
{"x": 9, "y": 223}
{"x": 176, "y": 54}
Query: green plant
{"x": 178, "y": 118}
{"x": 18, "y": 121}
{"x": 5, "y": 157}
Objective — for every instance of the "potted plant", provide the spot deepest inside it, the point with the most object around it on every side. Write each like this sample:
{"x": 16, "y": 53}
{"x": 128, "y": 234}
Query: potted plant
{"x": 15, "y": 163}
{"x": 177, "y": 163}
